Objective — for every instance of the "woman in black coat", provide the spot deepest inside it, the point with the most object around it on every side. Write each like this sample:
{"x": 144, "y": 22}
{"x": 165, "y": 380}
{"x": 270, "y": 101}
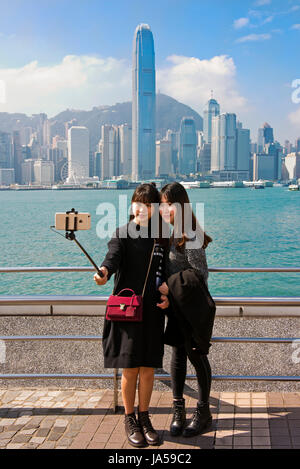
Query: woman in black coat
{"x": 137, "y": 347}
{"x": 187, "y": 263}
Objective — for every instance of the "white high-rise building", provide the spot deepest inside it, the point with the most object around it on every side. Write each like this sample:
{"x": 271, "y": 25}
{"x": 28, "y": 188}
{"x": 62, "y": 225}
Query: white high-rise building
{"x": 292, "y": 165}
{"x": 211, "y": 110}
{"x": 109, "y": 148}
{"x": 125, "y": 133}
{"x": 164, "y": 158}
{"x": 223, "y": 151}
{"x": 78, "y": 155}
{"x": 43, "y": 172}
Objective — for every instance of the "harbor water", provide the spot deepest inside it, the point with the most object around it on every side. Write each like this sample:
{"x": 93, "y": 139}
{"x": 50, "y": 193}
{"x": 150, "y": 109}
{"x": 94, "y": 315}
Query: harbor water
{"x": 249, "y": 228}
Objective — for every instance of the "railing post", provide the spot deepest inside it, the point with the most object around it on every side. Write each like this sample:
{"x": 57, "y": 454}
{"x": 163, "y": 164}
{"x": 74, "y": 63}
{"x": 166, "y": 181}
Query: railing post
{"x": 116, "y": 370}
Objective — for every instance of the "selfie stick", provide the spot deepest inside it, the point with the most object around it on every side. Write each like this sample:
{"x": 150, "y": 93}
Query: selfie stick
{"x": 70, "y": 234}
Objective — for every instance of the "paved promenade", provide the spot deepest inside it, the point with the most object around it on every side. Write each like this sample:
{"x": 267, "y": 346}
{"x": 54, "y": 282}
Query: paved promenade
{"x": 73, "y": 418}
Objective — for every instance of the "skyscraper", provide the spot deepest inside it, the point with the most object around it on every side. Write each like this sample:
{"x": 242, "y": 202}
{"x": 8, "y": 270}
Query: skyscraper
{"x": 143, "y": 104}
{"x": 187, "y": 146}
{"x": 6, "y": 155}
{"x": 125, "y": 132}
{"x": 223, "y": 151}
{"x": 265, "y": 135}
{"x": 78, "y": 154}
{"x": 110, "y": 149}
{"x": 211, "y": 110}
{"x": 242, "y": 149}
{"x": 163, "y": 158}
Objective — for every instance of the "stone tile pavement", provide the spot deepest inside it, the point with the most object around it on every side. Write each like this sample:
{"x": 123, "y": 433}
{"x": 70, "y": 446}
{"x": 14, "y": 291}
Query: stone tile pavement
{"x": 47, "y": 418}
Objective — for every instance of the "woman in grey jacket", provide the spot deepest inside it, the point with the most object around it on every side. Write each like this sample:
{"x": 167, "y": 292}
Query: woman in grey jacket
{"x": 186, "y": 251}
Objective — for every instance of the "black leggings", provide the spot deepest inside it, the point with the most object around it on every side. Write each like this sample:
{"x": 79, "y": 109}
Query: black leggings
{"x": 179, "y": 367}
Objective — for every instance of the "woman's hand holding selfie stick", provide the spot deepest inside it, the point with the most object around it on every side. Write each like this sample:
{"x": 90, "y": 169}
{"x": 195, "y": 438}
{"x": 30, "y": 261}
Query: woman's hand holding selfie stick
{"x": 101, "y": 280}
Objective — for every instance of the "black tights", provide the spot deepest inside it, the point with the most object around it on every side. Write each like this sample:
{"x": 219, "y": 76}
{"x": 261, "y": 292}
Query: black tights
{"x": 179, "y": 367}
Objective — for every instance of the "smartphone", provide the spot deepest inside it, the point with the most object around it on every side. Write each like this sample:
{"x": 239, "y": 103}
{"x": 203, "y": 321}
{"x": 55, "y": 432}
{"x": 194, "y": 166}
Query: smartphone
{"x": 72, "y": 221}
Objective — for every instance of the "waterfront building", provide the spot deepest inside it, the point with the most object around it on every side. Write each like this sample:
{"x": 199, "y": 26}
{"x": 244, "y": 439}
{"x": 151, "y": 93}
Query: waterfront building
{"x": 223, "y": 150}
{"x": 173, "y": 137}
{"x": 205, "y": 158}
{"x": 38, "y": 121}
{"x": 125, "y": 136}
{"x": 212, "y": 109}
{"x": 265, "y": 167}
{"x": 7, "y": 176}
{"x": 109, "y": 147}
{"x": 265, "y": 135}
{"x": 68, "y": 125}
{"x": 164, "y": 158}
{"x": 43, "y": 172}
{"x": 98, "y": 164}
{"x": 25, "y": 135}
{"x": 17, "y": 156}
{"x": 243, "y": 150}
{"x": 187, "y": 146}
{"x": 78, "y": 155}
{"x": 6, "y": 154}
{"x": 143, "y": 104}
{"x": 292, "y": 166}
{"x": 27, "y": 171}
{"x": 268, "y": 134}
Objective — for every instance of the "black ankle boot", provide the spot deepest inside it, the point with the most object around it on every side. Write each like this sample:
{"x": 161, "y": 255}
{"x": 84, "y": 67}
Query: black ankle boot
{"x": 133, "y": 431}
{"x": 201, "y": 420}
{"x": 151, "y": 436}
{"x": 179, "y": 416}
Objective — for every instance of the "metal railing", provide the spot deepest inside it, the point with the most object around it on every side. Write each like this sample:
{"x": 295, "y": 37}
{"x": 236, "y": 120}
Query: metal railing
{"x": 101, "y": 300}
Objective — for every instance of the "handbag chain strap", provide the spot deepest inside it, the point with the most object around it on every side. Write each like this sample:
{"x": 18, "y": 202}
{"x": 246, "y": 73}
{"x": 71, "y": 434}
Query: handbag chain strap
{"x": 150, "y": 262}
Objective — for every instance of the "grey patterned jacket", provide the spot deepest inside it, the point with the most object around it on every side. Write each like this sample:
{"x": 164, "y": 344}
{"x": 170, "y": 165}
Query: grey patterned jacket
{"x": 191, "y": 256}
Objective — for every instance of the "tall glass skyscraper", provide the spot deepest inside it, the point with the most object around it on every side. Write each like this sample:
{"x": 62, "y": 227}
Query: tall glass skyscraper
{"x": 143, "y": 104}
{"x": 211, "y": 110}
{"x": 187, "y": 146}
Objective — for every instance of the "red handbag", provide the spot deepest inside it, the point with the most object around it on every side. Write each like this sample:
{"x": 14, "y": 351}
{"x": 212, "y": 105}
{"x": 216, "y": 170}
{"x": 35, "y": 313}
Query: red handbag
{"x": 127, "y": 308}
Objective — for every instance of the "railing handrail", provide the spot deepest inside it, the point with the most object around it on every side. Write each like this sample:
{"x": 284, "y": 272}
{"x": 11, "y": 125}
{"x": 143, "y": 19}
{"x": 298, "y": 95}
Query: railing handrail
{"x": 13, "y": 300}
{"x": 24, "y": 269}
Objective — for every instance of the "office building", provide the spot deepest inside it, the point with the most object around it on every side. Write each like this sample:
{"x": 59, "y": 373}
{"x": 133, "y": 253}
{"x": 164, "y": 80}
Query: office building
{"x": 143, "y": 104}
{"x": 6, "y": 151}
{"x": 125, "y": 136}
{"x": 43, "y": 173}
{"x": 163, "y": 158}
{"x": 78, "y": 155}
{"x": 187, "y": 146}
{"x": 212, "y": 109}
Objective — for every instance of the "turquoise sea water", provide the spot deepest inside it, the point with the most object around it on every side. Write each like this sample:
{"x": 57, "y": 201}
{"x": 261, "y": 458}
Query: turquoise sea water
{"x": 249, "y": 228}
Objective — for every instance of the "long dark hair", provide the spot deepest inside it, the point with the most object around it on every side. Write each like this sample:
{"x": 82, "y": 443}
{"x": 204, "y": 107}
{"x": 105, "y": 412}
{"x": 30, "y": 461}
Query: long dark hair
{"x": 175, "y": 193}
{"x": 147, "y": 193}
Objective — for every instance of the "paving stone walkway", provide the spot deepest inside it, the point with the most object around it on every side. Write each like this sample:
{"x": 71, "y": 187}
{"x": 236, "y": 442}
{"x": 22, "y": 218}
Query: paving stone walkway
{"x": 82, "y": 419}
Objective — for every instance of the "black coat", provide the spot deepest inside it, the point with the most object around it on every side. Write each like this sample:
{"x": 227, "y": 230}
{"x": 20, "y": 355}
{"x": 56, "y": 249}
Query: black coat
{"x": 134, "y": 344}
{"x": 192, "y": 311}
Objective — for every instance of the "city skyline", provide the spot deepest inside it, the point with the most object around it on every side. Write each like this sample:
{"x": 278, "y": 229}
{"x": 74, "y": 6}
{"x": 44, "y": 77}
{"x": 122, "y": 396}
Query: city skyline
{"x": 48, "y": 65}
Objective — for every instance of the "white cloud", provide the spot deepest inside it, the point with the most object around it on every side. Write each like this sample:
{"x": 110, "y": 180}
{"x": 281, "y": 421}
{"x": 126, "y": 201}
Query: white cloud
{"x": 240, "y": 23}
{"x": 295, "y": 26}
{"x": 82, "y": 82}
{"x": 259, "y": 3}
{"x": 190, "y": 79}
{"x": 269, "y": 19}
{"x": 254, "y": 38}
{"x": 76, "y": 82}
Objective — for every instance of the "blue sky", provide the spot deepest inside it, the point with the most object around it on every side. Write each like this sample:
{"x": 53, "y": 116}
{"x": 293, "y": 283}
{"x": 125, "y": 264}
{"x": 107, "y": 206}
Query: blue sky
{"x": 77, "y": 54}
